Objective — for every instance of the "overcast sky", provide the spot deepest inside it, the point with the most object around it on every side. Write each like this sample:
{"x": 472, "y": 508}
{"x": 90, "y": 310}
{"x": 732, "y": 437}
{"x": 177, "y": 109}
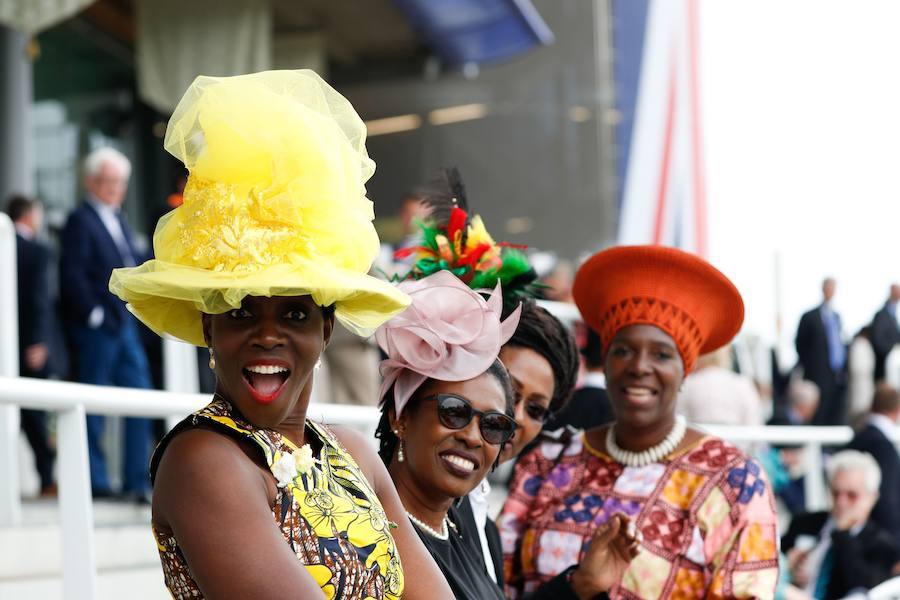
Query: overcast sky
{"x": 801, "y": 105}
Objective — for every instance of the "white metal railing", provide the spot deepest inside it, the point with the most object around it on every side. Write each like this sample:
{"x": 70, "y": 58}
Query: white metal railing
{"x": 71, "y": 402}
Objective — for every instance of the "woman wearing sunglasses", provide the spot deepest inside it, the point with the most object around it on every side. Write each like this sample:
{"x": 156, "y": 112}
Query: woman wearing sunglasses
{"x": 447, "y": 411}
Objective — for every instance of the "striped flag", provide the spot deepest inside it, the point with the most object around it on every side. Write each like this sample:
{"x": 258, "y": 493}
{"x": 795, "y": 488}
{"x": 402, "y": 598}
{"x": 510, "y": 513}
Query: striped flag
{"x": 662, "y": 187}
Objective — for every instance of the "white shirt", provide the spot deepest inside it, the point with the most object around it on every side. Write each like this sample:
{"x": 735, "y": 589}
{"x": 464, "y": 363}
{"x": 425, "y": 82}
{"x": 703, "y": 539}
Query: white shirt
{"x": 25, "y": 231}
{"x": 478, "y": 498}
{"x": 110, "y": 218}
{"x": 817, "y": 556}
{"x": 884, "y": 424}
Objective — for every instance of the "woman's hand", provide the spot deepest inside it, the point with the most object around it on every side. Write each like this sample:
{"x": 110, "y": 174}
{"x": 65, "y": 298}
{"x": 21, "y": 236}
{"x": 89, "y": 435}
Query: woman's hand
{"x": 612, "y": 548}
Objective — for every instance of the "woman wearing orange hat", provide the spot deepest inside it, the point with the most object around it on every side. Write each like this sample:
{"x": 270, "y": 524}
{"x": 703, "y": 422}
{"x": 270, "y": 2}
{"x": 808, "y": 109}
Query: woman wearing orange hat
{"x": 272, "y": 244}
{"x": 703, "y": 509}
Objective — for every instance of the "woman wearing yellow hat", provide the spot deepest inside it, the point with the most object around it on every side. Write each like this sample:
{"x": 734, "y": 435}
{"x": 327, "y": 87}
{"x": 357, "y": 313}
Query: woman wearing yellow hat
{"x": 272, "y": 244}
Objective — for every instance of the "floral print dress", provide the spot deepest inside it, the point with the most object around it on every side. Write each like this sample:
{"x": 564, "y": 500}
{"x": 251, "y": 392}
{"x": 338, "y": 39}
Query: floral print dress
{"x": 707, "y": 517}
{"x": 327, "y": 511}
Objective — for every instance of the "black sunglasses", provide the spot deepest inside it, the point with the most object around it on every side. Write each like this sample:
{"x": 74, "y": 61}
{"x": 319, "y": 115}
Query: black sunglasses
{"x": 455, "y": 412}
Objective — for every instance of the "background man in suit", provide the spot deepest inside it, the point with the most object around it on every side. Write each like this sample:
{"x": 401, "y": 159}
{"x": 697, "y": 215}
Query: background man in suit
{"x": 833, "y": 554}
{"x": 885, "y": 331}
{"x": 35, "y": 322}
{"x": 96, "y": 240}
{"x": 875, "y": 438}
{"x": 823, "y": 357}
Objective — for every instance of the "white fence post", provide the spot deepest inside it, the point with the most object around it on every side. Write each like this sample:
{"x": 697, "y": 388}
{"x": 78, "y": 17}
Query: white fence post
{"x": 10, "y": 503}
{"x": 814, "y": 486}
{"x": 76, "y": 507}
{"x": 179, "y": 371}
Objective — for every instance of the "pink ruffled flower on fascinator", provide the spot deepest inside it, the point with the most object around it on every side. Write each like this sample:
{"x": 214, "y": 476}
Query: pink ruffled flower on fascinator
{"x": 448, "y": 333}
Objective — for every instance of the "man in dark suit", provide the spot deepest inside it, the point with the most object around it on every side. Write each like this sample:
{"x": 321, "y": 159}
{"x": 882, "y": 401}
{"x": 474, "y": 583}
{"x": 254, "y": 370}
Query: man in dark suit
{"x": 875, "y": 438}
{"x": 885, "y": 332}
{"x": 96, "y": 240}
{"x": 35, "y": 322}
{"x": 831, "y": 555}
{"x": 823, "y": 357}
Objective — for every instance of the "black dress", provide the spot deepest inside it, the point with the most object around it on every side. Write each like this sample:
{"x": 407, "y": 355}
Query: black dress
{"x": 459, "y": 559}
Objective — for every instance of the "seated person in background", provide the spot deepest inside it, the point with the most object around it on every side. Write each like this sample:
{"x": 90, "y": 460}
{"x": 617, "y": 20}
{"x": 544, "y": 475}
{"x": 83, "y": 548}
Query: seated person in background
{"x": 876, "y": 438}
{"x": 785, "y": 463}
{"x": 831, "y": 555}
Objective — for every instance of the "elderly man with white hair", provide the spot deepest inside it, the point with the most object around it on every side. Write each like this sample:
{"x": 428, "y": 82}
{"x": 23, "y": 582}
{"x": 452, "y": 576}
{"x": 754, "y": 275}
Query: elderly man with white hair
{"x": 108, "y": 351}
{"x": 833, "y": 554}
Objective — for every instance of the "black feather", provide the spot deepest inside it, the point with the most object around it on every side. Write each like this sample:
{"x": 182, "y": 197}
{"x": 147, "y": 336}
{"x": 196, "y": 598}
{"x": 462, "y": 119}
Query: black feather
{"x": 444, "y": 192}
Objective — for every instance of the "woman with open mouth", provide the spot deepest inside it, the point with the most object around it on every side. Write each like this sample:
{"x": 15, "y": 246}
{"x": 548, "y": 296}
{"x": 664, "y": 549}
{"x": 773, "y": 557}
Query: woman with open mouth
{"x": 271, "y": 245}
{"x": 703, "y": 510}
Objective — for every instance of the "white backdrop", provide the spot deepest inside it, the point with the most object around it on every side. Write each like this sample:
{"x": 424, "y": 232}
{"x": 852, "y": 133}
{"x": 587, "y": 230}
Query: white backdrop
{"x": 801, "y": 105}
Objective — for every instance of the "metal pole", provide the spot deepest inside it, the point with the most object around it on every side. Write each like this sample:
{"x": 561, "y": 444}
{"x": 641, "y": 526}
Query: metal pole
{"x": 76, "y": 507}
{"x": 10, "y": 503}
{"x": 16, "y": 96}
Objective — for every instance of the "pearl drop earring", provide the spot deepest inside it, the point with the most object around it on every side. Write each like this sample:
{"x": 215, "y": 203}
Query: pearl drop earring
{"x": 400, "y": 456}
{"x": 212, "y": 360}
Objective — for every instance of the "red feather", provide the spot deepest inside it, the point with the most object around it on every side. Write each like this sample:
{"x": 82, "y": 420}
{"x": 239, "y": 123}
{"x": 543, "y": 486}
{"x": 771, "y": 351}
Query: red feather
{"x": 457, "y": 222}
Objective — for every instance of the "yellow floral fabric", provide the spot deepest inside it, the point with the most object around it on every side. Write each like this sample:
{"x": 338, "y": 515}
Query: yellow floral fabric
{"x": 329, "y": 515}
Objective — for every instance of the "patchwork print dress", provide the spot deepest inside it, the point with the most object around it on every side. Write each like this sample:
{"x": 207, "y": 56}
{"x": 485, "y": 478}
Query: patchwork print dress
{"x": 707, "y": 516}
{"x": 330, "y": 516}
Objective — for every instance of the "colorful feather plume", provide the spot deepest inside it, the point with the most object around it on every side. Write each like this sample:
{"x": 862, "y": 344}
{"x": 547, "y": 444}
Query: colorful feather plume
{"x": 455, "y": 241}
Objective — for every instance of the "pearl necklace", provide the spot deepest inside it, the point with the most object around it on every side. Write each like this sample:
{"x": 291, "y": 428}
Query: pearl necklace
{"x": 650, "y": 455}
{"x": 443, "y": 534}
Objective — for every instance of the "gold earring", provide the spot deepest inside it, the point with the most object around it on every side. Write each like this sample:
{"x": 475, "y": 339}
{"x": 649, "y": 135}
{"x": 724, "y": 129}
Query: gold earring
{"x": 212, "y": 360}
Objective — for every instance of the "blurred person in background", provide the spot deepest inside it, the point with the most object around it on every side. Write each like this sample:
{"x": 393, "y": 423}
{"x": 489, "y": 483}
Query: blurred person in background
{"x": 785, "y": 463}
{"x": 36, "y": 321}
{"x": 833, "y": 554}
{"x": 559, "y": 282}
{"x": 885, "y": 332}
{"x": 108, "y": 350}
{"x": 715, "y": 394}
{"x": 861, "y": 375}
{"x": 694, "y": 498}
{"x": 589, "y": 406}
{"x": 822, "y": 356}
{"x": 876, "y": 437}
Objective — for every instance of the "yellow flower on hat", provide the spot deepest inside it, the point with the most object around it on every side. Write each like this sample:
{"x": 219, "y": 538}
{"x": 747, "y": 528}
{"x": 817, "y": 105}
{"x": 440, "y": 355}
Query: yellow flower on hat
{"x": 275, "y": 205}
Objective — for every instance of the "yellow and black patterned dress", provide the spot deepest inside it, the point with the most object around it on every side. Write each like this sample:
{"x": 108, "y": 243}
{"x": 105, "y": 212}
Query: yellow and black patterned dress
{"x": 329, "y": 515}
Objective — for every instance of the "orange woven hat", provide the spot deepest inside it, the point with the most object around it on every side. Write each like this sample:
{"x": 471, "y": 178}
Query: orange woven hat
{"x": 682, "y": 294}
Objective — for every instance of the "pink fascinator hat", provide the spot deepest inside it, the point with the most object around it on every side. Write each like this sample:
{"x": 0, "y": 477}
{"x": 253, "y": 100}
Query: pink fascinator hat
{"x": 449, "y": 333}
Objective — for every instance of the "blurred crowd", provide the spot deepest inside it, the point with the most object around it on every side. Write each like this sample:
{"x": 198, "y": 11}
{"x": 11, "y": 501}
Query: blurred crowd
{"x": 71, "y": 327}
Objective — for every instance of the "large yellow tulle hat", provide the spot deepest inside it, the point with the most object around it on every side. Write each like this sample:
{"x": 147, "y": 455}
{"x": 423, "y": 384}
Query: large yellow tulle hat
{"x": 275, "y": 205}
